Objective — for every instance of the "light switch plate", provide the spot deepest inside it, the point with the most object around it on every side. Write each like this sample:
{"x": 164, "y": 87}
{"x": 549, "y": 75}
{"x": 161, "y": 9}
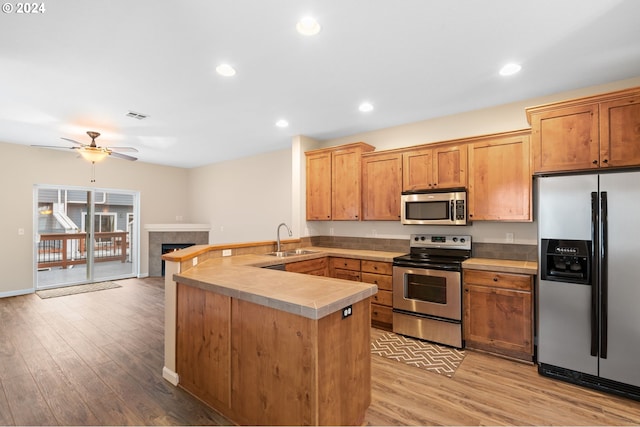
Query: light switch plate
{"x": 226, "y": 252}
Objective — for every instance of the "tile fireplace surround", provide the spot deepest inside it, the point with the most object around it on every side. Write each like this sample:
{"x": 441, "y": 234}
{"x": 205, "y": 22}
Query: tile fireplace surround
{"x": 172, "y": 233}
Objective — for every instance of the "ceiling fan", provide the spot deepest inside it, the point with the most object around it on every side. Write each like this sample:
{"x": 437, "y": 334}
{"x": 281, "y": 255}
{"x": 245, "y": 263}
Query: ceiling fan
{"x": 95, "y": 153}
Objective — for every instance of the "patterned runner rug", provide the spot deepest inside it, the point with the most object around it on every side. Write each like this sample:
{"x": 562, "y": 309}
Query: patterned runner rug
{"x": 76, "y": 289}
{"x": 432, "y": 357}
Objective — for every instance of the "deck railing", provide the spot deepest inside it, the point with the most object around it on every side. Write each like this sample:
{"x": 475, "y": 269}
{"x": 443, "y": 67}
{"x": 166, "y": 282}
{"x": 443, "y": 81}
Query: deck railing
{"x": 64, "y": 250}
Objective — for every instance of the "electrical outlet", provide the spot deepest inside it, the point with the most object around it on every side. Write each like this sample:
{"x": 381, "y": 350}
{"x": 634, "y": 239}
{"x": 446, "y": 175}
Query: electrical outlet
{"x": 374, "y": 233}
{"x": 347, "y": 311}
{"x": 195, "y": 260}
{"x": 226, "y": 252}
{"x": 331, "y": 231}
{"x": 509, "y": 238}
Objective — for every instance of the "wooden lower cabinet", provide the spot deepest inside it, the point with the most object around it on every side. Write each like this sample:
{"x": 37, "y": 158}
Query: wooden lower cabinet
{"x": 498, "y": 313}
{"x": 344, "y": 268}
{"x": 316, "y": 267}
{"x": 258, "y": 365}
{"x": 380, "y": 273}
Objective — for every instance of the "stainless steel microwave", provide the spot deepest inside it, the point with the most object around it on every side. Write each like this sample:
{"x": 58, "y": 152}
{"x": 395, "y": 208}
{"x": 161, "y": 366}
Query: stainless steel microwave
{"x": 434, "y": 207}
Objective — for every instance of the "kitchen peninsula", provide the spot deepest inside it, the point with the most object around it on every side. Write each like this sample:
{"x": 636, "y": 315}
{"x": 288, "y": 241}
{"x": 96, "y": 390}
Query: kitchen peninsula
{"x": 269, "y": 347}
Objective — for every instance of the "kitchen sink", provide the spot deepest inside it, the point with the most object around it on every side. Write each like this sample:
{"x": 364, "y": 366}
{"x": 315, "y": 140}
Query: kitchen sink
{"x": 291, "y": 253}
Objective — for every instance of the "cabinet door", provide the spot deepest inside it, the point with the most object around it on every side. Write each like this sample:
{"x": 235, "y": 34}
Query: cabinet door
{"x": 498, "y": 320}
{"x": 345, "y": 201}
{"x": 620, "y": 132}
{"x": 417, "y": 170}
{"x": 381, "y": 187}
{"x": 316, "y": 267}
{"x": 500, "y": 180}
{"x": 319, "y": 186}
{"x": 450, "y": 166}
{"x": 565, "y": 139}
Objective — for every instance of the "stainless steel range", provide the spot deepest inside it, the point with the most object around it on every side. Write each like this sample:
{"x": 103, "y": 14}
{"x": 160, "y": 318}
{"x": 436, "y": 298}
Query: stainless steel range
{"x": 427, "y": 288}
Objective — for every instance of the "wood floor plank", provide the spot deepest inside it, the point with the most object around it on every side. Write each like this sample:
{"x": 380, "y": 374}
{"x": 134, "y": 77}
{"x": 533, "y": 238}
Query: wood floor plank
{"x": 6, "y": 419}
{"x": 27, "y": 405}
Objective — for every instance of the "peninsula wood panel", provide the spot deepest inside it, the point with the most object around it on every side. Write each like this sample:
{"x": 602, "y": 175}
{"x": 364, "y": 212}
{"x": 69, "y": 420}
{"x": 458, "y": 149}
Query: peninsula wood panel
{"x": 203, "y": 358}
{"x": 293, "y": 370}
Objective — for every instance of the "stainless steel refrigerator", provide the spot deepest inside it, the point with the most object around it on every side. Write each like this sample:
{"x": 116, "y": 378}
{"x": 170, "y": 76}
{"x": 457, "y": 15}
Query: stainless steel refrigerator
{"x": 589, "y": 280}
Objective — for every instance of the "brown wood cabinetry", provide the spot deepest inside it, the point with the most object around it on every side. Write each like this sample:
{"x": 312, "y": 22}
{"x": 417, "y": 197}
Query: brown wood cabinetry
{"x": 380, "y": 273}
{"x": 344, "y": 268}
{"x": 500, "y": 180}
{"x": 381, "y": 186}
{"x": 443, "y": 166}
{"x": 586, "y": 133}
{"x": 258, "y": 365}
{"x": 316, "y": 267}
{"x": 498, "y": 313}
{"x": 333, "y": 182}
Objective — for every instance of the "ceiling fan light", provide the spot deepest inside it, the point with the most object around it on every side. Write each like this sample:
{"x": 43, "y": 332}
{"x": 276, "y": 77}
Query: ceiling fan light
{"x": 93, "y": 154}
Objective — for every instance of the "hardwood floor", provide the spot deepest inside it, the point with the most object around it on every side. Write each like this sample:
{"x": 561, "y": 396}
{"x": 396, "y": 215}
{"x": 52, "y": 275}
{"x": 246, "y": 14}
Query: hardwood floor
{"x": 96, "y": 359}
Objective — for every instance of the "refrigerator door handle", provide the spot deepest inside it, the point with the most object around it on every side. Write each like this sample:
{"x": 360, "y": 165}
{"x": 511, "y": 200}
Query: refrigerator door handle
{"x": 604, "y": 270}
{"x": 594, "y": 273}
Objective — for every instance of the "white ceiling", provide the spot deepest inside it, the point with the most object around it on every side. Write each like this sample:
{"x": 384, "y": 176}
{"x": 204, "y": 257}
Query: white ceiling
{"x": 82, "y": 65}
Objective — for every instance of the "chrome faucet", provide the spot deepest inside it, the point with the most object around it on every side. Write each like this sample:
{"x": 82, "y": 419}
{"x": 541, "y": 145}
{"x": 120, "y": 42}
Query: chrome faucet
{"x": 288, "y": 229}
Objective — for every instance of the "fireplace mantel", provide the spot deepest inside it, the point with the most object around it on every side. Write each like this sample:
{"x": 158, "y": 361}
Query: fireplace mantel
{"x": 177, "y": 227}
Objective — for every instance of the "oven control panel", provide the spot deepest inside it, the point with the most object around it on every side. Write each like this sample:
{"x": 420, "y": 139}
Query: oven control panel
{"x": 441, "y": 241}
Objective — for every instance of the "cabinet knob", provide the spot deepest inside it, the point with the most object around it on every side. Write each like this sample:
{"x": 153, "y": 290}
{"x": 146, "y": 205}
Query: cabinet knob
{"x": 495, "y": 279}
{"x": 595, "y": 162}
{"x": 605, "y": 161}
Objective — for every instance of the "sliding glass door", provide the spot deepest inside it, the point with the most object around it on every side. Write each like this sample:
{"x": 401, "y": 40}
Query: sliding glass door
{"x": 84, "y": 235}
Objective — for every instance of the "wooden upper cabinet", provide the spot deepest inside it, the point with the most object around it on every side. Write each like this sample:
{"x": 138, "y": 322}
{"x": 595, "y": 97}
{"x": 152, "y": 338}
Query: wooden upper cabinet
{"x": 586, "y": 133}
{"x": 620, "y": 132}
{"x": 381, "y": 186}
{"x": 500, "y": 183}
{"x": 334, "y": 182}
{"x": 319, "y": 186}
{"x": 565, "y": 139}
{"x": 433, "y": 168}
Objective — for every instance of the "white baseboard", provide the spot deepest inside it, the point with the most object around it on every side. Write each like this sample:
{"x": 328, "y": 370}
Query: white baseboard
{"x": 170, "y": 376}
{"x": 17, "y": 293}
{"x": 143, "y": 275}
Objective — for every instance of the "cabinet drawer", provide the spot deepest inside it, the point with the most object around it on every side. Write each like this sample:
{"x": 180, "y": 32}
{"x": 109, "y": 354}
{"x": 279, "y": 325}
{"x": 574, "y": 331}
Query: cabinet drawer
{"x": 495, "y": 279}
{"x": 377, "y": 267}
{"x": 383, "y": 298}
{"x": 339, "y": 273}
{"x": 383, "y": 282}
{"x": 346, "y": 263}
{"x": 307, "y": 266}
{"x": 381, "y": 314}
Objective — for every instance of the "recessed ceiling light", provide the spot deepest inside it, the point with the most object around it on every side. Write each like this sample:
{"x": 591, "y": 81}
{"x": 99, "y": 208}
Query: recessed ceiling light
{"x": 308, "y": 26}
{"x": 510, "y": 69}
{"x": 365, "y": 107}
{"x": 282, "y": 123}
{"x": 225, "y": 70}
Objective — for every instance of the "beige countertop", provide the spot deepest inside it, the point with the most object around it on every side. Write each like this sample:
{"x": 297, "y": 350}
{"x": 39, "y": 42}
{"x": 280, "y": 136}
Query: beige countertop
{"x": 310, "y": 296}
{"x": 501, "y": 265}
{"x": 306, "y": 295}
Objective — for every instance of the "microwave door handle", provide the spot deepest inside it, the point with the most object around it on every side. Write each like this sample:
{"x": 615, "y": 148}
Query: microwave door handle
{"x": 451, "y": 211}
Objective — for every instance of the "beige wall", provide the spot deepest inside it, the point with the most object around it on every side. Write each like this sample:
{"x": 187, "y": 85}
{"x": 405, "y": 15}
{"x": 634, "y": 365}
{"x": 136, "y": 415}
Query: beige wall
{"x": 162, "y": 198}
{"x": 243, "y": 200}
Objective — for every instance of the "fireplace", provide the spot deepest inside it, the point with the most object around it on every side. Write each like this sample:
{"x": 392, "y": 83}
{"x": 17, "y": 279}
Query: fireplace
{"x": 172, "y": 234}
{"x": 172, "y": 247}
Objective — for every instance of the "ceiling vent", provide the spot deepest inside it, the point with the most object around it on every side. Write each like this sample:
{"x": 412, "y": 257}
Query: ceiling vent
{"x": 135, "y": 115}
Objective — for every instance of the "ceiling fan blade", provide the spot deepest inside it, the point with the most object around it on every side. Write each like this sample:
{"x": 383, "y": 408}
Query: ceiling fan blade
{"x": 123, "y": 149}
{"x": 122, "y": 156}
{"x": 71, "y": 140}
{"x": 53, "y": 146}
